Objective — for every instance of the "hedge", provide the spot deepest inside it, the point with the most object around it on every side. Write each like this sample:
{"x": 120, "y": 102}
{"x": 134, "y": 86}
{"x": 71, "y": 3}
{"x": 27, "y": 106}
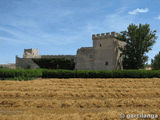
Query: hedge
{"x": 100, "y": 74}
{"x": 58, "y": 74}
{"x": 20, "y": 74}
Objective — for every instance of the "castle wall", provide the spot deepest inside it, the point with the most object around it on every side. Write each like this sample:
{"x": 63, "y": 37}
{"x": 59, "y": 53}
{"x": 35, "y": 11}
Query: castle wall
{"x": 85, "y": 58}
{"x": 119, "y": 57}
{"x": 25, "y": 63}
{"x": 28, "y": 62}
{"x": 104, "y": 59}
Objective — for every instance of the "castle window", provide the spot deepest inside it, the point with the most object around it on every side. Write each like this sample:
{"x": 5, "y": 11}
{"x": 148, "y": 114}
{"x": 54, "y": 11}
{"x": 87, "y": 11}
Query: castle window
{"x": 100, "y": 45}
{"x": 106, "y": 63}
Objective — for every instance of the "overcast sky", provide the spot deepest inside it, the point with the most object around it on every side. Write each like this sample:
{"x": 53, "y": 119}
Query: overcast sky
{"x": 63, "y": 26}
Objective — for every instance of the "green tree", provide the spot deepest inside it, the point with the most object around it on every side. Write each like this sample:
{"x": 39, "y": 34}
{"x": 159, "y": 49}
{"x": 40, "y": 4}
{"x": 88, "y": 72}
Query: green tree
{"x": 155, "y": 63}
{"x": 139, "y": 40}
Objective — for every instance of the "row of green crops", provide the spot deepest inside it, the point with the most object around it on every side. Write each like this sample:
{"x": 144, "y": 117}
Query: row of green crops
{"x": 20, "y": 74}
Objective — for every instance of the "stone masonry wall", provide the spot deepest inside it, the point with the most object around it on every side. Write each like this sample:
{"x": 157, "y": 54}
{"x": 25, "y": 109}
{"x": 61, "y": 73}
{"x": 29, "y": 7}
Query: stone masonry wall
{"x": 25, "y": 63}
{"x": 85, "y": 58}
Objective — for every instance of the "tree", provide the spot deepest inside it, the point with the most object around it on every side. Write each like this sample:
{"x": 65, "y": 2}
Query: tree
{"x": 139, "y": 40}
{"x": 155, "y": 63}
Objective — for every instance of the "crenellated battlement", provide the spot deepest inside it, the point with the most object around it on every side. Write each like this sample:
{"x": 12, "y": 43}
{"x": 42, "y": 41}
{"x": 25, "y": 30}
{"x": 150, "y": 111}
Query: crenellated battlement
{"x": 104, "y": 35}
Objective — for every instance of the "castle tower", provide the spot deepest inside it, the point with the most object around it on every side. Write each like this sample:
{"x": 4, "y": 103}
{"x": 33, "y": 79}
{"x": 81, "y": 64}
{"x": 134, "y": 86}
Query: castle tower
{"x": 104, "y": 55}
{"x": 30, "y": 53}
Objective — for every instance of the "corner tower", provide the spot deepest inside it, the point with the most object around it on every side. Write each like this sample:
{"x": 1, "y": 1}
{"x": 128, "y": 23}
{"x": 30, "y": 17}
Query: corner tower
{"x": 104, "y": 55}
{"x": 104, "y": 46}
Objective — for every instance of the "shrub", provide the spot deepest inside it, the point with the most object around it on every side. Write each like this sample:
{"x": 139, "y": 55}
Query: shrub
{"x": 155, "y": 63}
{"x": 20, "y": 74}
{"x": 57, "y": 74}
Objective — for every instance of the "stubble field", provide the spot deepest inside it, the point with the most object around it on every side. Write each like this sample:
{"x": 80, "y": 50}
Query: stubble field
{"x": 78, "y": 99}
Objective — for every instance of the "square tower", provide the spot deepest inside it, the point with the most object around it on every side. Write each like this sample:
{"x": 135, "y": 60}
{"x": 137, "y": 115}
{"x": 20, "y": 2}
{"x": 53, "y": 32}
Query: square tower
{"x": 104, "y": 47}
{"x": 30, "y": 53}
{"x": 104, "y": 55}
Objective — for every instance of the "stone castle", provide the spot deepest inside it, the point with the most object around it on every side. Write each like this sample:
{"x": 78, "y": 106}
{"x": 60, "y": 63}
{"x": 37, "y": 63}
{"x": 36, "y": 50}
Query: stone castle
{"x": 104, "y": 55}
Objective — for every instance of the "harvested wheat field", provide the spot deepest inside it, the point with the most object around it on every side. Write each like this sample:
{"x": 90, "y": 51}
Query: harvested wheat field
{"x": 78, "y": 99}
